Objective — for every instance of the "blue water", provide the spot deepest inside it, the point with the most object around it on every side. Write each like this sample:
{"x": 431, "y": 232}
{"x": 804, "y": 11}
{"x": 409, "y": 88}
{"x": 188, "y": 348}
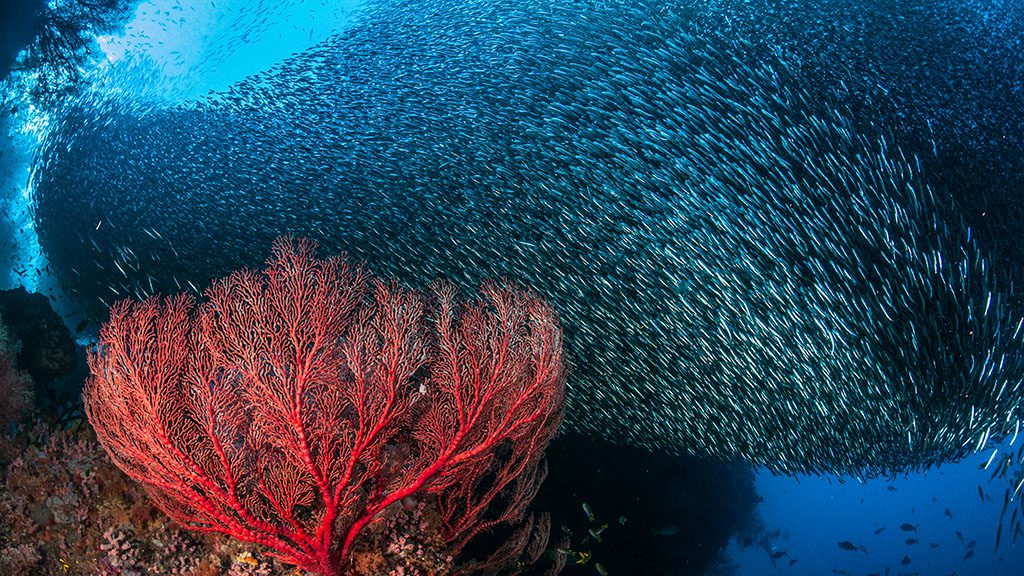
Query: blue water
{"x": 193, "y": 48}
{"x": 814, "y": 514}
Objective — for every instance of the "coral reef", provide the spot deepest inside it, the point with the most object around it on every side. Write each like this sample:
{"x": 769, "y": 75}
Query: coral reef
{"x": 65, "y": 509}
{"x": 16, "y": 386}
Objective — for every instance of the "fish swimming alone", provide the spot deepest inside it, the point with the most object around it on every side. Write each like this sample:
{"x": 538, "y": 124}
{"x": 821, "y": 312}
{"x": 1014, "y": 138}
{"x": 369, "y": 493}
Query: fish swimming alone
{"x": 743, "y": 270}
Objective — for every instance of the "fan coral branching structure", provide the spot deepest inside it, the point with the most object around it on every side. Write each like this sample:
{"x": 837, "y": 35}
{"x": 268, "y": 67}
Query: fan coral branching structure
{"x": 295, "y": 404}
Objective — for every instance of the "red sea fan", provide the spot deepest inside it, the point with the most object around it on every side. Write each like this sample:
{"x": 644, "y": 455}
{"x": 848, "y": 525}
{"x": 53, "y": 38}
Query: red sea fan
{"x": 297, "y": 403}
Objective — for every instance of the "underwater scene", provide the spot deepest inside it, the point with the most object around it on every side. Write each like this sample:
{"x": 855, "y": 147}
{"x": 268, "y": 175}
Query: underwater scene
{"x": 535, "y": 287}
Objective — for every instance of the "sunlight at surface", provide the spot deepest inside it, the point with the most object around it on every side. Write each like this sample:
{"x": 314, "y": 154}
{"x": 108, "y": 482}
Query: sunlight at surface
{"x": 193, "y": 47}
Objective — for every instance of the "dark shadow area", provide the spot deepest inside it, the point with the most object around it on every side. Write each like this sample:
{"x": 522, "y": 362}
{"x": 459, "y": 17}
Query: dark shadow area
{"x": 646, "y": 513}
{"x": 48, "y": 352}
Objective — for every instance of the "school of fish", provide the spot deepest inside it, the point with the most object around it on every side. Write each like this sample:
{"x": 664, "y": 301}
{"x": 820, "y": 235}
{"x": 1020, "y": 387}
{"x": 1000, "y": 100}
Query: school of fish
{"x": 743, "y": 270}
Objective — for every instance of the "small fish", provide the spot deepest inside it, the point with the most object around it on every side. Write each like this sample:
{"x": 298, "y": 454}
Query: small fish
{"x": 1006, "y": 502}
{"x": 588, "y": 511}
{"x": 911, "y": 541}
{"x": 879, "y": 530}
{"x": 600, "y": 569}
{"x": 582, "y": 557}
{"x": 968, "y": 554}
{"x": 908, "y": 527}
{"x": 850, "y": 546}
{"x": 667, "y": 531}
{"x": 81, "y": 325}
{"x": 905, "y": 561}
{"x": 948, "y": 513}
{"x": 778, "y": 554}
